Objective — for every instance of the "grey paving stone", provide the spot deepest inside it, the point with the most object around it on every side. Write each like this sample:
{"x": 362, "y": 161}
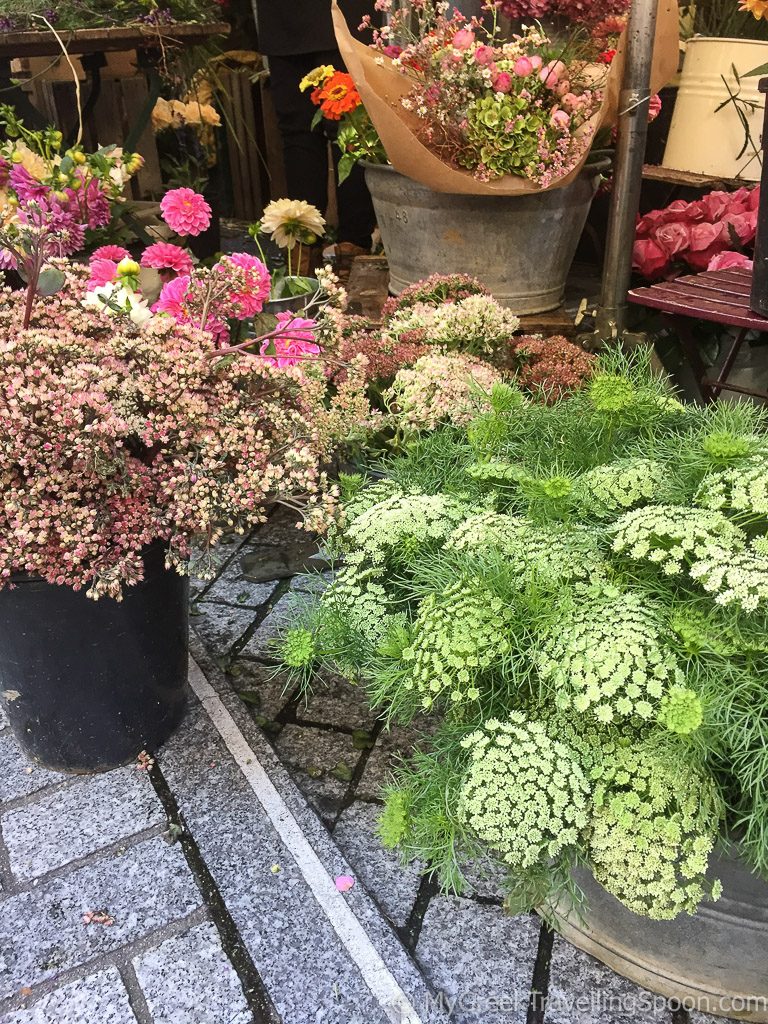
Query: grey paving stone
{"x": 304, "y": 966}
{"x": 336, "y": 701}
{"x": 78, "y": 820}
{"x": 485, "y": 877}
{"x": 3, "y": 717}
{"x": 390, "y": 744}
{"x": 392, "y": 884}
{"x": 584, "y": 991}
{"x": 42, "y": 931}
{"x": 220, "y": 626}
{"x": 189, "y": 980}
{"x": 312, "y": 582}
{"x": 99, "y": 997}
{"x": 699, "y": 1017}
{"x": 229, "y": 544}
{"x": 264, "y": 692}
{"x": 480, "y": 959}
{"x": 232, "y": 587}
{"x": 322, "y": 763}
{"x": 18, "y": 776}
{"x": 260, "y": 645}
{"x": 281, "y": 530}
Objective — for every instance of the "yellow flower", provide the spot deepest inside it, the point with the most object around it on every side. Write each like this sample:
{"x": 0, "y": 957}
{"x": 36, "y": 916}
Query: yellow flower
{"x": 30, "y": 160}
{"x": 317, "y": 77}
{"x": 162, "y": 116}
{"x": 757, "y": 8}
{"x": 289, "y": 220}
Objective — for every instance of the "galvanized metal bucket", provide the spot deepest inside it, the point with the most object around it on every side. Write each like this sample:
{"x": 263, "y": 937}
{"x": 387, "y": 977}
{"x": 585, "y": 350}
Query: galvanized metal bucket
{"x": 521, "y": 247}
{"x": 714, "y": 962}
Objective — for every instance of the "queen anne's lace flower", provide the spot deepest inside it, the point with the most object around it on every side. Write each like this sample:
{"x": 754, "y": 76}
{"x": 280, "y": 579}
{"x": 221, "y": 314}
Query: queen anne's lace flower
{"x": 618, "y": 486}
{"x": 457, "y": 635}
{"x": 742, "y": 490}
{"x": 740, "y": 577}
{"x": 525, "y": 794}
{"x": 361, "y": 596}
{"x": 608, "y": 656}
{"x": 298, "y": 648}
{"x": 409, "y": 518}
{"x": 654, "y": 825}
{"x": 671, "y": 536}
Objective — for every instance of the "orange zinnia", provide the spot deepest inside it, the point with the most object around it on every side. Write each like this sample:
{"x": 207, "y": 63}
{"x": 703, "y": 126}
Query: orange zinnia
{"x": 338, "y": 95}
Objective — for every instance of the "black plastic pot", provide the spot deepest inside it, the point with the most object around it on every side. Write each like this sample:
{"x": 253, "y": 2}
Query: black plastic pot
{"x": 87, "y": 685}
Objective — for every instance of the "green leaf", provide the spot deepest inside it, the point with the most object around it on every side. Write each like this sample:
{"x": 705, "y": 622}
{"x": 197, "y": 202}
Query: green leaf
{"x": 298, "y": 286}
{"x": 250, "y": 697}
{"x": 264, "y": 323}
{"x": 66, "y": 165}
{"x": 317, "y": 118}
{"x": 346, "y": 163}
{"x": 50, "y": 281}
{"x": 761, "y": 69}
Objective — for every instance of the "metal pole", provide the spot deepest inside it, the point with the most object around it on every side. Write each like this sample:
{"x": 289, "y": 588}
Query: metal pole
{"x": 634, "y": 100}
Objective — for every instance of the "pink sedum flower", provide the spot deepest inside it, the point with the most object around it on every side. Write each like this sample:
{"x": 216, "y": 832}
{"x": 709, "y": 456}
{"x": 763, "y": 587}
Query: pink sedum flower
{"x": 185, "y": 211}
{"x": 110, "y": 252}
{"x": 164, "y": 256}
{"x": 296, "y": 339}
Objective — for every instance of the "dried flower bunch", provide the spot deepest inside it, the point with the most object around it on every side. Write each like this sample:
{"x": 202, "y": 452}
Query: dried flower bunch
{"x": 578, "y": 592}
{"x": 496, "y": 107}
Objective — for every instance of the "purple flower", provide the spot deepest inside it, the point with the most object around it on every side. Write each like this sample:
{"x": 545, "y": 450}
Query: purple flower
{"x": 24, "y": 185}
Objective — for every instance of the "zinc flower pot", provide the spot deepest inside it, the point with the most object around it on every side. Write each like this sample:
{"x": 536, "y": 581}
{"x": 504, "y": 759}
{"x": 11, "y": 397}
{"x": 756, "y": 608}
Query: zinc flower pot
{"x": 715, "y": 961}
{"x": 87, "y": 685}
{"x": 292, "y": 303}
{"x": 520, "y": 246}
{"x": 707, "y": 134}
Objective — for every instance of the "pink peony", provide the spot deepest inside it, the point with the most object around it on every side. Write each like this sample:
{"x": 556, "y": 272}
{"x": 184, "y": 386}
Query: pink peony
{"x": 185, "y": 211}
{"x": 102, "y": 272}
{"x": 173, "y": 299}
{"x": 483, "y": 55}
{"x": 649, "y": 258}
{"x": 295, "y": 340}
{"x": 726, "y": 260}
{"x": 672, "y": 238}
{"x": 110, "y": 252}
{"x": 571, "y": 102}
{"x": 251, "y": 300}
{"x": 164, "y": 256}
{"x": 463, "y": 39}
{"x": 502, "y": 81}
{"x": 523, "y": 67}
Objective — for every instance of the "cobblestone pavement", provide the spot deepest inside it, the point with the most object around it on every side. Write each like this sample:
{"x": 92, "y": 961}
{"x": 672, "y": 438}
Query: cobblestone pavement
{"x": 208, "y": 882}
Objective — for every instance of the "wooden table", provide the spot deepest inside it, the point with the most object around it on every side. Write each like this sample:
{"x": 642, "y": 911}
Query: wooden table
{"x": 718, "y": 296}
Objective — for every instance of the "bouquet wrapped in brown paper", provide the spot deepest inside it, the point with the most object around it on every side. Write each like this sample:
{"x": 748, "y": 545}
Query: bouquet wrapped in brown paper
{"x": 530, "y": 121}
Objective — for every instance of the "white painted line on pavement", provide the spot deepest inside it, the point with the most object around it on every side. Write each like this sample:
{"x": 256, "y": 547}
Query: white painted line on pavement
{"x": 375, "y": 972}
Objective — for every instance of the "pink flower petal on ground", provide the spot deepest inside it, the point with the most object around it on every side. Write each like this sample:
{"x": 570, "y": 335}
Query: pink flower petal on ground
{"x": 344, "y": 883}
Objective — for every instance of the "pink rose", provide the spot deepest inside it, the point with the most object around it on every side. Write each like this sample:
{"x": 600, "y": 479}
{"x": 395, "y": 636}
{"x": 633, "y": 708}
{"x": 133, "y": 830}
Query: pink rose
{"x": 550, "y": 74}
{"x": 695, "y": 212}
{"x": 726, "y": 260}
{"x": 483, "y": 55}
{"x": 463, "y": 39}
{"x": 753, "y": 198}
{"x": 649, "y": 258}
{"x": 672, "y": 238}
{"x": 715, "y": 204}
{"x": 536, "y": 61}
{"x": 704, "y": 235}
{"x": 561, "y": 118}
{"x": 744, "y": 224}
{"x": 571, "y": 102}
{"x": 523, "y": 67}
{"x": 701, "y": 260}
{"x": 502, "y": 81}
{"x": 650, "y": 222}
{"x": 563, "y": 87}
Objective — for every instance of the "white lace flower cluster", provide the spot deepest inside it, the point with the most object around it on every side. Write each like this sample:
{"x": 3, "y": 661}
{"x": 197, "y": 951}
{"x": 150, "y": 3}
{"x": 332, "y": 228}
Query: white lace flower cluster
{"x": 525, "y": 794}
{"x": 360, "y": 595}
{"x": 654, "y": 824}
{"x": 743, "y": 489}
{"x": 673, "y": 536}
{"x": 457, "y": 635}
{"x": 733, "y": 576}
{"x": 413, "y": 518}
{"x": 608, "y": 656}
{"x": 618, "y": 486}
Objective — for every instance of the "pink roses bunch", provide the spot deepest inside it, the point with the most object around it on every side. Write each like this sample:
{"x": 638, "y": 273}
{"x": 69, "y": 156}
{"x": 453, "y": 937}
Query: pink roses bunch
{"x": 580, "y": 12}
{"x": 703, "y": 235}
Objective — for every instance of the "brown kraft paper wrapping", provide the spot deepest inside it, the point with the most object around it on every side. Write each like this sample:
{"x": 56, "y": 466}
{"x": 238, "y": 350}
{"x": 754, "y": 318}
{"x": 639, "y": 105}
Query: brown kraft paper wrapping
{"x": 381, "y": 88}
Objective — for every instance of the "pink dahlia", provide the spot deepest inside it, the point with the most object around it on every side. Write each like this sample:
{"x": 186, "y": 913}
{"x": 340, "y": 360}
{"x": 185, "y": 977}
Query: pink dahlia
{"x": 164, "y": 256}
{"x": 185, "y": 211}
{"x": 251, "y": 299}
{"x": 110, "y": 252}
{"x": 173, "y": 299}
{"x": 102, "y": 272}
{"x": 296, "y": 339}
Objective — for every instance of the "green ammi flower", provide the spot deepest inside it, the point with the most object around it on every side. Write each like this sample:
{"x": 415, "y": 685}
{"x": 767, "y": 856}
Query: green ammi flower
{"x": 525, "y": 793}
{"x": 298, "y": 648}
{"x": 680, "y": 711}
{"x": 618, "y": 486}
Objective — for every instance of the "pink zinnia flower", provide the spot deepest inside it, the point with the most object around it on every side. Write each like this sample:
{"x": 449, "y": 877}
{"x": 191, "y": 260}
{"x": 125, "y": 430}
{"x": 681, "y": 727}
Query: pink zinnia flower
{"x": 295, "y": 340}
{"x": 164, "y": 256}
{"x": 185, "y": 211}
{"x": 173, "y": 299}
{"x": 110, "y": 252}
{"x": 103, "y": 272}
{"x": 251, "y": 301}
